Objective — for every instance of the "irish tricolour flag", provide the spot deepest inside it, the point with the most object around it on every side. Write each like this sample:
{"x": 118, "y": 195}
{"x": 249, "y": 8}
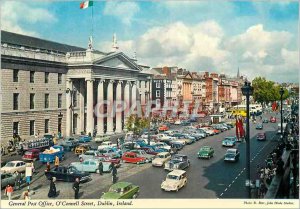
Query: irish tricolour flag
{"x": 86, "y": 4}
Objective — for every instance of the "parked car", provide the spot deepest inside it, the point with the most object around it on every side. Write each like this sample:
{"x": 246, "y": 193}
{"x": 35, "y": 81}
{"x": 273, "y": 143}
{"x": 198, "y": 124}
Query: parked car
{"x": 149, "y": 150}
{"x": 122, "y": 190}
{"x": 68, "y": 145}
{"x": 206, "y": 152}
{"x": 229, "y": 141}
{"x": 259, "y": 126}
{"x": 131, "y": 157}
{"x": 7, "y": 179}
{"x": 163, "y": 128}
{"x": 31, "y": 155}
{"x": 111, "y": 151}
{"x": 106, "y": 144}
{"x": 176, "y": 145}
{"x": 208, "y": 131}
{"x": 177, "y": 122}
{"x": 272, "y": 119}
{"x": 232, "y": 155}
{"x": 142, "y": 153}
{"x": 85, "y": 139}
{"x": 161, "y": 158}
{"x": 90, "y": 154}
{"x": 68, "y": 174}
{"x": 102, "y": 138}
{"x": 81, "y": 149}
{"x": 115, "y": 161}
{"x": 178, "y": 161}
{"x": 91, "y": 166}
{"x": 13, "y": 166}
{"x": 265, "y": 120}
{"x": 185, "y": 123}
{"x": 175, "y": 180}
{"x": 261, "y": 137}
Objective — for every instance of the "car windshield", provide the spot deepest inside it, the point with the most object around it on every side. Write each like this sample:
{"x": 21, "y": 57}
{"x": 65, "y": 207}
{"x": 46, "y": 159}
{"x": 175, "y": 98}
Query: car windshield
{"x": 229, "y": 138}
{"x": 173, "y": 177}
{"x": 176, "y": 160}
{"x": 117, "y": 190}
{"x": 28, "y": 153}
{"x": 230, "y": 155}
{"x": 205, "y": 149}
{"x": 10, "y": 164}
{"x": 160, "y": 156}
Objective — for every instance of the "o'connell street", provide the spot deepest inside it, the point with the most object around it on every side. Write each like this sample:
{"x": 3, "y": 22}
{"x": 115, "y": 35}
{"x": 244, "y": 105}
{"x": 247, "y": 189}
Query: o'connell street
{"x": 107, "y": 100}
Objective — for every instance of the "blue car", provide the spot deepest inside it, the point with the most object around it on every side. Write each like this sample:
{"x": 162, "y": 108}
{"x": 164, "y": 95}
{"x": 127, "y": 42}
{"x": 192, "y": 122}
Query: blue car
{"x": 85, "y": 139}
{"x": 229, "y": 142}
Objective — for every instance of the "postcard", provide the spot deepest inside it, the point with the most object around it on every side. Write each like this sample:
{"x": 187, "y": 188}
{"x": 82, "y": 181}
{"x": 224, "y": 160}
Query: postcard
{"x": 149, "y": 104}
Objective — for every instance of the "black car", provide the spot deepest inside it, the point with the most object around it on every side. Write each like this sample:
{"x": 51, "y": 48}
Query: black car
{"x": 178, "y": 161}
{"x": 176, "y": 145}
{"x": 265, "y": 120}
{"x": 68, "y": 174}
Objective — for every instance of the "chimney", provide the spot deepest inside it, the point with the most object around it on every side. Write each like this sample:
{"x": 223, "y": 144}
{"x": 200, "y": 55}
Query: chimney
{"x": 166, "y": 71}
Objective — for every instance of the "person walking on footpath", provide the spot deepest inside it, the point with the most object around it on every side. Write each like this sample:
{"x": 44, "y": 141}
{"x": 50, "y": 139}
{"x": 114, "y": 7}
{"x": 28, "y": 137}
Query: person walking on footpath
{"x": 18, "y": 180}
{"x": 48, "y": 167}
{"x": 114, "y": 173}
{"x": 8, "y": 191}
{"x": 76, "y": 188}
{"x": 56, "y": 163}
{"x": 52, "y": 190}
{"x": 100, "y": 168}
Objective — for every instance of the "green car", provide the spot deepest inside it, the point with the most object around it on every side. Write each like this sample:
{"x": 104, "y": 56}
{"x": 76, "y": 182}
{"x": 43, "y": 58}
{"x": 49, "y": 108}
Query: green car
{"x": 122, "y": 190}
{"x": 206, "y": 152}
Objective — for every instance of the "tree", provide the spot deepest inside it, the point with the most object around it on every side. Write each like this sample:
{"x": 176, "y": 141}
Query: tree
{"x": 136, "y": 124}
{"x": 266, "y": 91}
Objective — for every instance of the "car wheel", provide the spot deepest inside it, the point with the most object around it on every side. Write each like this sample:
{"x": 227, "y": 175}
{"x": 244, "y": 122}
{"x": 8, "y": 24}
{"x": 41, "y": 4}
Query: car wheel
{"x": 177, "y": 189}
{"x": 97, "y": 171}
{"x": 135, "y": 195}
{"x": 137, "y": 163}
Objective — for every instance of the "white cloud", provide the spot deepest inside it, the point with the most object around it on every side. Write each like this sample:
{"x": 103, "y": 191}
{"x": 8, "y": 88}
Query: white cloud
{"x": 12, "y": 14}
{"x": 205, "y": 46}
{"x": 123, "y": 10}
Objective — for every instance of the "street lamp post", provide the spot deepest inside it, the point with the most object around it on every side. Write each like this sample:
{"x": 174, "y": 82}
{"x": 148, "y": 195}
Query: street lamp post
{"x": 281, "y": 91}
{"x": 72, "y": 92}
{"x": 149, "y": 118}
{"x": 247, "y": 91}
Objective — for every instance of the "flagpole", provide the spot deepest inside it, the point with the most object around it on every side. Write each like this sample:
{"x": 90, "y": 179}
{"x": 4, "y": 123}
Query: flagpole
{"x": 93, "y": 21}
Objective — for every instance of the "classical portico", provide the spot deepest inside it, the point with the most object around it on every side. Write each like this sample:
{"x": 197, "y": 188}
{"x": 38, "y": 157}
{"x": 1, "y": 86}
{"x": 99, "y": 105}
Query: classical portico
{"x": 102, "y": 82}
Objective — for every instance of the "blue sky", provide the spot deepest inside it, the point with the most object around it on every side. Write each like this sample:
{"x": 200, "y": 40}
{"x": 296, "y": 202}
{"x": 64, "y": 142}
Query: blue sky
{"x": 258, "y": 36}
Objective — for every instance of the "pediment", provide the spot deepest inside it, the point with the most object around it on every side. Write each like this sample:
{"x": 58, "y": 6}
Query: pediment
{"x": 118, "y": 60}
{"x": 188, "y": 76}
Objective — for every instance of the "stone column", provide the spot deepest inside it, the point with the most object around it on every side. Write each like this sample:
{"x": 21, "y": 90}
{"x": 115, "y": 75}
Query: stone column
{"x": 133, "y": 93}
{"x": 69, "y": 87}
{"x": 110, "y": 114}
{"x": 81, "y": 105}
{"x": 126, "y": 100}
{"x": 143, "y": 96}
{"x": 89, "y": 106}
{"x": 100, "y": 108}
{"x": 119, "y": 114}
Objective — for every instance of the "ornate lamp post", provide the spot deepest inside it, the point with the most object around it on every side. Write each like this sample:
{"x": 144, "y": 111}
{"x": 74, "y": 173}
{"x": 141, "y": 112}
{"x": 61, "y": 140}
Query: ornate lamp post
{"x": 247, "y": 91}
{"x": 72, "y": 92}
{"x": 281, "y": 92}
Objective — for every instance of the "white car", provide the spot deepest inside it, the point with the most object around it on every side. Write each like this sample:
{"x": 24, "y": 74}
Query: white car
{"x": 208, "y": 131}
{"x": 177, "y": 122}
{"x": 164, "y": 136}
{"x": 14, "y": 166}
{"x": 175, "y": 180}
{"x": 107, "y": 144}
{"x": 163, "y": 145}
{"x": 102, "y": 138}
{"x": 161, "y": 158}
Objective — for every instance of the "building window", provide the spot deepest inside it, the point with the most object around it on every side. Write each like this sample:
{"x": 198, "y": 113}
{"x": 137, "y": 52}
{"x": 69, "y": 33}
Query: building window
{"x": 16, "y": 75}
{"x": 157, "y": 84}
{"x": 59, "y": 100}
{"x": 32, "y": 76}
{"x": 32, "y": 101}
{"x": 158, "y": 93}
{"x": 16, "y": 101}
{"x": 31, "y": 128}
{"x": 46, "y": 126}
{"x": 59, "y": 78}
{"x": 46, "y": 101}
{"x": 140, "y": 84}
{"x": 75, "y": 99}
{"x": 15, "y": 128}
{"x": 46, "y": 77}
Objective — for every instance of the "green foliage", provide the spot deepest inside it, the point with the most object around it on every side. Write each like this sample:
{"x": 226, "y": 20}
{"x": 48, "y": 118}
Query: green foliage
{"x": 266, "y": 91}
{"x": 136, "y": 124}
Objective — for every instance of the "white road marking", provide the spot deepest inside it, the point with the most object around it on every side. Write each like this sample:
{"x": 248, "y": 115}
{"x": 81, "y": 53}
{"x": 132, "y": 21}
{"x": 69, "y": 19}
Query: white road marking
{"x": 221, "y": 194}
{"x": 229, "y": 185}
{"x": 225, "y": 190}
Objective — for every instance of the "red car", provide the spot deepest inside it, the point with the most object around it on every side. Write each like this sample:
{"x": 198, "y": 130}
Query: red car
{"x": 131, "y": 157}
{"x": 163, "y": 128}
{"x": 261, "y": 137}
{"x": 272, "y": 119}
{"x": 31, "y": 155}
{"x": 115, "y": 161}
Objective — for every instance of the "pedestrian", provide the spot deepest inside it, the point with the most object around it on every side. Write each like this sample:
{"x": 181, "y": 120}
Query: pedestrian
{"x": 52, "y": 190}
{"x": 56, "y": 163}
{"x": 76, "y": 188}
{"x": 100, "y": 167}
{"x": 18, "y": 180}
{"x": 8, "y": 191}
{"x": 26, "y": 195}
{"x": 114, "y": 173}
{"x": 48, "y": 167}
{"x": 28, "y": 174}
